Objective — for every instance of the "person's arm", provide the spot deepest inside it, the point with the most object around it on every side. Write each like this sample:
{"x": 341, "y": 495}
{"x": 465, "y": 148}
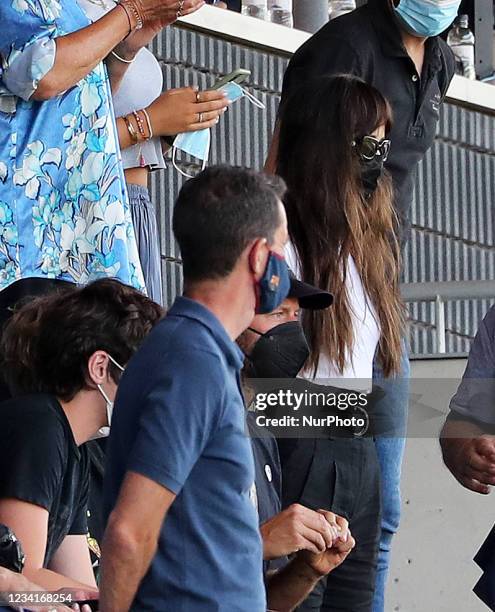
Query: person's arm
{"x": 72, "y": 56}
{"x": 128, "y": 48}
{"x": 467, "y": 442}
{"x": 289, "y": 587}
{"x": 130, "y": 539}
{"x": 30, "y": 525}
{"x": 72, "y": 560}
{"x": 78, "y": 53}
{"x": 177, "y": 111}
{"x": 469, "y": 453}
{"x": 12, "y": 582}
{"x": 296, "y": 528}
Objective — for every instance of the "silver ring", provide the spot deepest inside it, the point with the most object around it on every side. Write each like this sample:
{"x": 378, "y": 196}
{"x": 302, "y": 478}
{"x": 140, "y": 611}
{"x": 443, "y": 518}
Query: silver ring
{"x": 181, "y": 6}
{"x": 197, "y": 97}
{"x": 200, "y": 117}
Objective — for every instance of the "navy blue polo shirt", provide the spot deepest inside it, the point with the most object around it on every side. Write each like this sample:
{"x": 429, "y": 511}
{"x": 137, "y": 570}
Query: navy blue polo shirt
{"x": 179, "y": 420}
{"x": 367, "y": 43}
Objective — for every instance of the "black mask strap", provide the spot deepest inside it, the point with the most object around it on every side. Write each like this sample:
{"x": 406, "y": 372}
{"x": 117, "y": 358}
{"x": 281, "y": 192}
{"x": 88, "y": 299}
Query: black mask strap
{"x": 255, "y": 331}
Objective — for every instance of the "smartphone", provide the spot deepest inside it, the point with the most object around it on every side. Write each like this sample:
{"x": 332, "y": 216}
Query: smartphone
{"x": 237, "y": 76}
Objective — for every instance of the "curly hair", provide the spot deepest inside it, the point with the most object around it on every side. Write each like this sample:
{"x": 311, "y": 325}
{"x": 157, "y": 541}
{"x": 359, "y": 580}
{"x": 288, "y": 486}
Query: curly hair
{"x": 46, "y": 345}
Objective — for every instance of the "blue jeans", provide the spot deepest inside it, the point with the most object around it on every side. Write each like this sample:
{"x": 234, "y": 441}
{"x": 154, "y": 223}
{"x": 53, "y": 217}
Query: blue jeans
{"x": 393, "y": 407}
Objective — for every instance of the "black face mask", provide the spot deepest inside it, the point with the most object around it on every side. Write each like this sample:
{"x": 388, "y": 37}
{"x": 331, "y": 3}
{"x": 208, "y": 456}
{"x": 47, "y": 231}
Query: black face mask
{"x": 280, "y": 353}
{"x": 371, "y": 172}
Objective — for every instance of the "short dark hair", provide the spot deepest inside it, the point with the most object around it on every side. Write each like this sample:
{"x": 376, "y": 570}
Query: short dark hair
{"x": 46, "y": 345}
{"x": 218, "y": 213}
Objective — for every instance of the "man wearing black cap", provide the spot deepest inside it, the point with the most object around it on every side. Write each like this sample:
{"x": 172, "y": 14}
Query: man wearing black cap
{"x": 275, "y": 347}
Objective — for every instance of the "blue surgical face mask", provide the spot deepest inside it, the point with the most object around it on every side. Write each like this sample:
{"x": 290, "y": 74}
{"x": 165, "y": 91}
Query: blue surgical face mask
{"x": 427, "y": 18}
{"x": 274, "y": 285}
{"x": 197, "y": 144}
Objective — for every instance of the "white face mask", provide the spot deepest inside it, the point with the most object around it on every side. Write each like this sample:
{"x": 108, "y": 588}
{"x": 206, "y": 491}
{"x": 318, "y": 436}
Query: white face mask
{"x": 104, "y": 432}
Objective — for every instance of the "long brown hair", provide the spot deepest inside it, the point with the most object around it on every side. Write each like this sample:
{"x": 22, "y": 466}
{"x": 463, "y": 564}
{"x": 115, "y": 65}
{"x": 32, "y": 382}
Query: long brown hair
{"x": 330, "y": 218}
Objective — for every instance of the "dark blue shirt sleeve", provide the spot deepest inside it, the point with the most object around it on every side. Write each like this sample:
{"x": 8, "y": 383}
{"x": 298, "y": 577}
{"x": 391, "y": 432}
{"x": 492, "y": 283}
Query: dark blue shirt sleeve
{"x": 475, "y": 397}
{"x": 180, "y": 413}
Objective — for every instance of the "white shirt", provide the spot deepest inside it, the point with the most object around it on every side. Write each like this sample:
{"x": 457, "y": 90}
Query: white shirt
{"x": 141, "y": 85}
{"x": 358, "y": 370}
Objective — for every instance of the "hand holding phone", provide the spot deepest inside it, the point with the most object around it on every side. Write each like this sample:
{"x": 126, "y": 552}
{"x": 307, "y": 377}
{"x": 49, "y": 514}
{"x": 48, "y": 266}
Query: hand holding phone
{"x": 236, "y": 76}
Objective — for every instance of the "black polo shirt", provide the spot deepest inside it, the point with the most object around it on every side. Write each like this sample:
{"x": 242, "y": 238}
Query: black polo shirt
{"x": 368, "y": 43}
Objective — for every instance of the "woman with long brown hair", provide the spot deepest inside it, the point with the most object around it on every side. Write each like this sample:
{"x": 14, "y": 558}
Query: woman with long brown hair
{"x": 342, "y": 227}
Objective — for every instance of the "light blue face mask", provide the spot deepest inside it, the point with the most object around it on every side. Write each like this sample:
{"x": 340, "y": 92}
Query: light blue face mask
{"x": 197, "y": 144}
{"x": 427, "y": 18}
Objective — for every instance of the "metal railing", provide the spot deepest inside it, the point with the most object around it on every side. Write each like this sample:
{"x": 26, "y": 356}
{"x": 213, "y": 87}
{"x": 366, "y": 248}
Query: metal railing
{"x": 443, "y": 292}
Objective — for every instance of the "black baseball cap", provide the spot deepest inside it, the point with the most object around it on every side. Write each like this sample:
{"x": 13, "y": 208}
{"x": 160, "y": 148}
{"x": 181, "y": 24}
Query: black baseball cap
{"x": 308, "y": 296}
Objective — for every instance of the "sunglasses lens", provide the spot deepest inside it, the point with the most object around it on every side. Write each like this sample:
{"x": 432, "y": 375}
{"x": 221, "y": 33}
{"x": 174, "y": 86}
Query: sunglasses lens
{"x": 368, "y": 148}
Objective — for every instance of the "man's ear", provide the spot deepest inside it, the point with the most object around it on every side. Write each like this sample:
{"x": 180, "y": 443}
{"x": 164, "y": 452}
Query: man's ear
{"x": 258, "y": 257}
{"x": 98, "y": 367}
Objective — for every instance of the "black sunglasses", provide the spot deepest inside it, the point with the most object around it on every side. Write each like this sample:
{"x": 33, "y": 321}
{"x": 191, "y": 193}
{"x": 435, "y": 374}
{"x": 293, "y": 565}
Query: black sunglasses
{"x": 370, "y": 147}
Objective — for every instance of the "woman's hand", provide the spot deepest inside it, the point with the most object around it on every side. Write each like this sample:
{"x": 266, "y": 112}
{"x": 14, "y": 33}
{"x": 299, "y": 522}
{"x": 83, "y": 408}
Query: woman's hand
{"x": 140, "y": 38}
{"x": 186, "y": 110}
{"x": 165, "y": 10}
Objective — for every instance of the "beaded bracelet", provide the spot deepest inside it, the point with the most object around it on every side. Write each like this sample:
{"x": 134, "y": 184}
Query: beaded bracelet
{"x": 140, "y": 124}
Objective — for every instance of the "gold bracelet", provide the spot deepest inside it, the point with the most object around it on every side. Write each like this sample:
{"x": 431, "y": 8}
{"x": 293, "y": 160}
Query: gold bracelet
{"x": 132, "y": 12}
{"x": 131, "y": 129}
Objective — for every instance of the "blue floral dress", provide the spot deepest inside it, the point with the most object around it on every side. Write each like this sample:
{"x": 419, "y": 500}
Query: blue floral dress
{"x": 63, "y": 205}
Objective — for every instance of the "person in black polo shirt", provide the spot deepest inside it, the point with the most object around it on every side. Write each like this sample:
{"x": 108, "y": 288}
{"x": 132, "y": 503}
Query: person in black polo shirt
{"x": 395, "y": 47}
{"x": 63, "y": 355}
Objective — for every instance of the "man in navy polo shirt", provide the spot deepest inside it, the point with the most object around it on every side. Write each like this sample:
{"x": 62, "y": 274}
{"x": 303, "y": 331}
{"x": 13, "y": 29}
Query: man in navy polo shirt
{"x": 182, "y": 533}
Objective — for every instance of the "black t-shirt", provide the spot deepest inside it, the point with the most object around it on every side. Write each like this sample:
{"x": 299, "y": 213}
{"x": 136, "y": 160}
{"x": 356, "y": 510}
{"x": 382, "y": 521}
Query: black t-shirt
{"x": 367, "y": 43}
{"x": 41, "y": 464}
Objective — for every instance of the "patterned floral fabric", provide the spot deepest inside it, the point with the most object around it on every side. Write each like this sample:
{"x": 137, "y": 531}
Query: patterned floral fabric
{"x": 63, "y": 206}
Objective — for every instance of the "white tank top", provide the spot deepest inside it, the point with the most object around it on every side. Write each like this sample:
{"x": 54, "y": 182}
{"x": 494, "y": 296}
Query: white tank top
{"x": 358, "y": 370}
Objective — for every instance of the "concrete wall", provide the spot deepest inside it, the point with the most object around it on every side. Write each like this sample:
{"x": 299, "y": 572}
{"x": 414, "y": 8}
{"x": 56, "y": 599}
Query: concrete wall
{"x": 443, "y": 525}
